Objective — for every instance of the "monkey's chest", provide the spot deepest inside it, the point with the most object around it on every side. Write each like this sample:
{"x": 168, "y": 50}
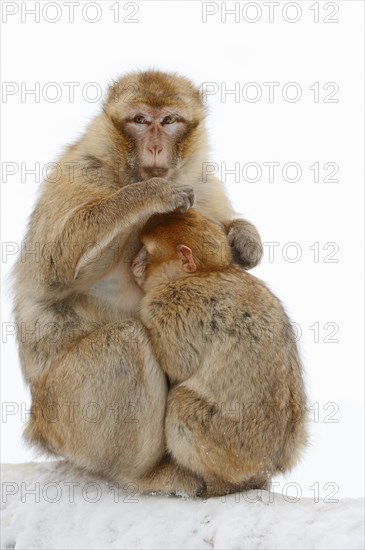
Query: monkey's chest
{"x": 117, "y": 293}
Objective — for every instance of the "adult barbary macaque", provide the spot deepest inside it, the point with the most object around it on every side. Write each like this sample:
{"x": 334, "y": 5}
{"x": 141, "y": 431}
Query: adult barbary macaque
{"x": 236, "y": 410}
{"x": 98, "y": 394}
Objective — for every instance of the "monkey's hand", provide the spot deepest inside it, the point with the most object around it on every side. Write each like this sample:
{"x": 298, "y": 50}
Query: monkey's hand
{"x": 172, "y": 196}
{"x": 245, "y": 241}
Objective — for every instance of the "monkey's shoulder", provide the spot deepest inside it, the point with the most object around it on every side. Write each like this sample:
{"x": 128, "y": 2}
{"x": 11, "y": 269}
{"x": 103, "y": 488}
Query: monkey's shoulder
{"x": 181, "y": 301}
{"x": 175, "y": 295}
{"x": 226, "y": 292}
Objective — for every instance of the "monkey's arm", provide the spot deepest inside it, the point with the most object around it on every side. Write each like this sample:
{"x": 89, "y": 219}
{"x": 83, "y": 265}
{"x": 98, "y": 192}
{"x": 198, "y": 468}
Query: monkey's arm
{"x": 175, "y": 316}
{"x": 82, "y": 244}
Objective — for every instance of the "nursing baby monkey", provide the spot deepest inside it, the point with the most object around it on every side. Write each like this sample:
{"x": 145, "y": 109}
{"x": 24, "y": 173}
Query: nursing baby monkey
{"x": 236, "y": 412}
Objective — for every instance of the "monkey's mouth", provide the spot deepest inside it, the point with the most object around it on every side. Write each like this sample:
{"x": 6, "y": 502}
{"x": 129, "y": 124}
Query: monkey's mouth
{"x": 154, "y": 171}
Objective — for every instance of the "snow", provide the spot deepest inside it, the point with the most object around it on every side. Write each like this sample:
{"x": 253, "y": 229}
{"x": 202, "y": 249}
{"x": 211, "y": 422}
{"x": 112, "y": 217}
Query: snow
{"x": 49, "y": 505}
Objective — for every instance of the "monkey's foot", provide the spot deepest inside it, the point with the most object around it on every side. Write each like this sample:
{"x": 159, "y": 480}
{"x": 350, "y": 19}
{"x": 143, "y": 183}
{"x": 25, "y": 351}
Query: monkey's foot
{"x": 219, "y": 487}
{"x": 169, "y": 479}
{"x": 246, "y": 243}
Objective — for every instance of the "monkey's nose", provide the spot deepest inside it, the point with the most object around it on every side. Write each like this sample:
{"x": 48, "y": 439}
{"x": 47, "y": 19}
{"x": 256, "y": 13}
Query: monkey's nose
{"x": 155, "y": 150}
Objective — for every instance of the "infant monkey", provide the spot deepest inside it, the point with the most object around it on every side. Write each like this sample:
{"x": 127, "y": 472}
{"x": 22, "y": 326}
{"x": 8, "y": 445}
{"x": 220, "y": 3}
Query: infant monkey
{"x": 236, "y": 411}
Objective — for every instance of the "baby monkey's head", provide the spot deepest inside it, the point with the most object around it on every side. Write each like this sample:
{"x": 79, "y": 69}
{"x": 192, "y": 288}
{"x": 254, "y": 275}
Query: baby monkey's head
{"x": 179, "y": 245}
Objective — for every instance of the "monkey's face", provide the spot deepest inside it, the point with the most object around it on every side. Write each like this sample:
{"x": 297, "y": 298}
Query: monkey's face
{"x": 156, "y": 136}
{"x": 159, "y": 119}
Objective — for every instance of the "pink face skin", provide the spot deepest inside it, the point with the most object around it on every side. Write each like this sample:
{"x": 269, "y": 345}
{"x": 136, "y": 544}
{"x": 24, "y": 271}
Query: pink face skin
{"x": 155, "y": 131}
{"x": 164, "y": 272}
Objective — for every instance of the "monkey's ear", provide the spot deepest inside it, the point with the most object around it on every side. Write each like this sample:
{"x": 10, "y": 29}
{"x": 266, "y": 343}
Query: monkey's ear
{"x": 187, "y": 260}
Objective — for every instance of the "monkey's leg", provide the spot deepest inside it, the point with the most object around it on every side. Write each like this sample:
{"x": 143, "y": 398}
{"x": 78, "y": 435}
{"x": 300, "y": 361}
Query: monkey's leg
{"x": 102, "y": 404}
{"x": 203, "y": 442}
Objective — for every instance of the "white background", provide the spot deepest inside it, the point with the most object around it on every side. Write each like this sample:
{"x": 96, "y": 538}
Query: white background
{"x": 171, "y": 36}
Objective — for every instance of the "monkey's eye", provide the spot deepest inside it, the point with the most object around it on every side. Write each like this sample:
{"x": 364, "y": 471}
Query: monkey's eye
{"x": 169, "y": 119}
{"x": 139, "y": 119}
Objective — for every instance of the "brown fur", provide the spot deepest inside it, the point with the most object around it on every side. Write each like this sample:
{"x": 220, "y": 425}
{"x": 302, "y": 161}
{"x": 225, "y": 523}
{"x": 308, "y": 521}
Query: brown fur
{"x": 76, "y": 306}
{"x": 236, "y": 410}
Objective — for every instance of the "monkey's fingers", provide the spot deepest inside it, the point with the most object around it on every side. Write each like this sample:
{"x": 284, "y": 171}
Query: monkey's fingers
{"x": 177, "y": 198}
{"x": 186, "y": 197}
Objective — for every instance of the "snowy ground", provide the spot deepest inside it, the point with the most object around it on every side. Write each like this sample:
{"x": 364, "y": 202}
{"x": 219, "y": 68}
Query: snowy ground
{"x": 45, "y": 505}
